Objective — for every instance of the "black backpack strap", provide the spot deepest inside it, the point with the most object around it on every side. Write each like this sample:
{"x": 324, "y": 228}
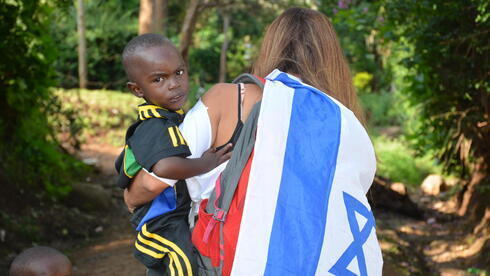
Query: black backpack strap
{"x": 249, "y": 78}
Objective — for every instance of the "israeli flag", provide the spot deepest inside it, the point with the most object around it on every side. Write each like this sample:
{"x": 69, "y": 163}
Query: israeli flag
{"x": 306, "y": 211}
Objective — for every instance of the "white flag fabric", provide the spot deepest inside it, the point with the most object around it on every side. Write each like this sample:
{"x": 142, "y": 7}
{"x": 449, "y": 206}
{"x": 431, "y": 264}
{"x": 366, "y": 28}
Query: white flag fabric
{"x": 306, "y": 211}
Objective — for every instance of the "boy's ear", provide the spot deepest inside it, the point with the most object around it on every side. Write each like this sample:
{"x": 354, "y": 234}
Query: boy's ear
{"x": 135, "y": 89}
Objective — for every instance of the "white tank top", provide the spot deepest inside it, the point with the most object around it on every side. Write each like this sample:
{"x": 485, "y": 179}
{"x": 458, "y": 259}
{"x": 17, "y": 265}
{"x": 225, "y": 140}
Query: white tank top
{"x": 196, "y": 129}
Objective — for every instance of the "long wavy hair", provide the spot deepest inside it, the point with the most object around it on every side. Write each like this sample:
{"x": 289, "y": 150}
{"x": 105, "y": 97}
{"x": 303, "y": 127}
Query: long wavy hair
{"x": 303, "y": 42}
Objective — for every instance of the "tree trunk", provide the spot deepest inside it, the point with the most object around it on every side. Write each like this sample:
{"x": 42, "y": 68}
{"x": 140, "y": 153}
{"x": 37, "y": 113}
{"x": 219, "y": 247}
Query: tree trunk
{"x": 224, "y": 47}
{"x": 472, "y": 204}
{"x": 159, "y": 16}
{"x": 152, "y": 16}
{"x": 145, "y": 19}
{"x": 188, "y": 27}
{"x": 82, "y": 46}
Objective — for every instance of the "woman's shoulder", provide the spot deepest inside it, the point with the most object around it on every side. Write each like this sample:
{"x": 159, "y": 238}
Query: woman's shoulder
{"x": 221, "y": 93}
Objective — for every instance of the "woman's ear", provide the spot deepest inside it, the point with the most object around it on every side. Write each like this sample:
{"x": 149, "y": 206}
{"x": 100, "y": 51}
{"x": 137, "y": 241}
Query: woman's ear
{"x": 135, "y": 89}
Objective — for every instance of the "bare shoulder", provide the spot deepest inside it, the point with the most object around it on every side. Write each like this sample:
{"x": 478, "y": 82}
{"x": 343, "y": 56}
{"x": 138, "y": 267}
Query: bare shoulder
{"x": 218, "y": 101}
{"x": 219, "y": 93}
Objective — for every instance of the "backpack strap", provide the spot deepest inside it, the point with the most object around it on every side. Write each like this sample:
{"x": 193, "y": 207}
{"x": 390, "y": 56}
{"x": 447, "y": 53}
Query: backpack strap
{"x": 219, "y": 201}
{"x": 249, "y": 78}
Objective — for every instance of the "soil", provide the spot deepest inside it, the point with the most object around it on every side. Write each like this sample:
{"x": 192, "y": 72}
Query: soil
{"x": 111, "y": 253}
{"x": 438, "y": 244}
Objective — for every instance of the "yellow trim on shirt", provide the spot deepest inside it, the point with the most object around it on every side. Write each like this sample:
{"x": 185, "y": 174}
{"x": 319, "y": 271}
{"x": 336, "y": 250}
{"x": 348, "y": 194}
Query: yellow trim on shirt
{"x": 182, "y": 140}
{"x": 172, "y": 136}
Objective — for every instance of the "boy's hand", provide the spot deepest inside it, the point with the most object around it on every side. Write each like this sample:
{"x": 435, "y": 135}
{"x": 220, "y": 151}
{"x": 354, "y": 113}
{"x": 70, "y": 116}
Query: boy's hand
{"x": 176, "y": 167}
{"x": 214, "y": 158}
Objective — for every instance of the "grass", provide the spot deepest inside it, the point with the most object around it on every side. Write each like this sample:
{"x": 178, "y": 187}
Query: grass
{"x": 396, "y": 159}
{"x": 103, "y": 114}
{"x": 398, "y": 162}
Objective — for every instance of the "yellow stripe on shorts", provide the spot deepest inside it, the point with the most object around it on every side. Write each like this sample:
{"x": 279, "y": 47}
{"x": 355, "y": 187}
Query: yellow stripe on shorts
{"x": 170, "y": 244}
{"x": 173, "y": 255}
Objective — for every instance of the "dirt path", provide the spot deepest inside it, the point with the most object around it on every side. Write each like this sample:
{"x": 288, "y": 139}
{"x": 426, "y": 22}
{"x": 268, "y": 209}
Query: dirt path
{"x": 440, "y": 244}
{"x": 111, "y": 253}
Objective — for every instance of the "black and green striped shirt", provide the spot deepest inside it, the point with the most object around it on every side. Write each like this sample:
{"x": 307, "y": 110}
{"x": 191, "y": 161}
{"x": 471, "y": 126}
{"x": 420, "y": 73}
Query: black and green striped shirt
{"x": 154, "y": 136}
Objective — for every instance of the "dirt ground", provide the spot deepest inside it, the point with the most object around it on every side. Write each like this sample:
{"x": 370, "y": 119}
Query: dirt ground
{"x": 111, "y": 253}
{"x": 436, "y": 245}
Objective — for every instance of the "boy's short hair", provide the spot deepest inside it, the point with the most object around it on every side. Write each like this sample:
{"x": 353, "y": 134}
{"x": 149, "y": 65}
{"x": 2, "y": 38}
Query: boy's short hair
{"x": 38, "y": 260}
{"x": 142, "y": 42}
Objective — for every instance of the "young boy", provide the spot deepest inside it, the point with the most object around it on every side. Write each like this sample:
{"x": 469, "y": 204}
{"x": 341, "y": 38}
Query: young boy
{"x": 157, "y": 73}
{"x": 41, "y": 260}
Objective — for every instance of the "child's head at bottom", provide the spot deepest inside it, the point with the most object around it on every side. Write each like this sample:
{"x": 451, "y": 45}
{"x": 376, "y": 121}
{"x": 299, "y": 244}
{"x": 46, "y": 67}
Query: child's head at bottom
{"x": 156, "y": 71}
{"x": 41, "y": 260}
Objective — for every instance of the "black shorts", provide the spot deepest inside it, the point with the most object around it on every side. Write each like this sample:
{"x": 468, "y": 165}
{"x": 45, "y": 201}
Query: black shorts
{"x": 164, "y": 246}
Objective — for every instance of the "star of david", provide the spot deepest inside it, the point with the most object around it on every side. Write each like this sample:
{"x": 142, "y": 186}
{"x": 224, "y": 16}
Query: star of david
{"x": 354, "y": 250}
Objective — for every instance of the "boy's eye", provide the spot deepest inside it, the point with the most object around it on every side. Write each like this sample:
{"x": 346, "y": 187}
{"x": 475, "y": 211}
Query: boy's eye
{"x": 179, "y": 72}
{"x": 159, "y": 79}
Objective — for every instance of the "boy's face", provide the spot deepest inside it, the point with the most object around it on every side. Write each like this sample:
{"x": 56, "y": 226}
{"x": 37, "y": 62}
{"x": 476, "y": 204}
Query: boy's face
{"x": 160, "y": 77}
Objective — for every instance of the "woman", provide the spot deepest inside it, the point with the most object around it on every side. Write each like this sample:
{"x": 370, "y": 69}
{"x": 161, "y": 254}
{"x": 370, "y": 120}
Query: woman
{"x": 303, "y": 44}
{"x": 299, "y": 206}
{"x": 318, "y": 61}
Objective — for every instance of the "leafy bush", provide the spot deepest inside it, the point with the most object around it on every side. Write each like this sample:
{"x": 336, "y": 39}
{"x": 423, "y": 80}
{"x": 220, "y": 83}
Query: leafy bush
{"x": 382, "y": 109}
{"x": 109, "y": 26}
{"x": 31, "y": 157}
{"x": 446, "y": 78}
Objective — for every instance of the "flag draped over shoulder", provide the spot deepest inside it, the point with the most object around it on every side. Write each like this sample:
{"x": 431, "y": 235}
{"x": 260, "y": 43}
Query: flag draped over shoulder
{"x": 305, "y": 210}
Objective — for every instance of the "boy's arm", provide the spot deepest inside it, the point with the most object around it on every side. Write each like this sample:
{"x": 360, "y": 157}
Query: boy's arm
{"x": 181, "y": 168}
{"x": 146, "y": 187}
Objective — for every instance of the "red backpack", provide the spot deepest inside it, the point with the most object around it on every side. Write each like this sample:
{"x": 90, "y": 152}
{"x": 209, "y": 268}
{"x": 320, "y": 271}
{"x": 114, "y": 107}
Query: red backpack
{"x": 216, "y": 232}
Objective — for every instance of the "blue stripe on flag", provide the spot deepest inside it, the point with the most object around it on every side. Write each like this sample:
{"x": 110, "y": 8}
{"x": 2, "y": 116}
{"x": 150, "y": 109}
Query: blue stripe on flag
{"x": 309, "y": 166}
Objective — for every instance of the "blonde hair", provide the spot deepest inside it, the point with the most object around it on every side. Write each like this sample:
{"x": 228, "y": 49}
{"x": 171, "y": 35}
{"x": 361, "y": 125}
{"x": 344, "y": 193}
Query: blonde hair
{"x": 303, "y": 42}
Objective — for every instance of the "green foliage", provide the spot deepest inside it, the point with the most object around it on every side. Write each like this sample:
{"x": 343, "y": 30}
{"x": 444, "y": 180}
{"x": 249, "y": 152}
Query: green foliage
{"x": 102, "y": 113}
{"x": 397, "y": 161}
{"x": 361, "y": 80}
{"x": 204, "y": 56}
{"x": 477, "y": 271}
{"x": 28, "y": 145}
{"x": 447, "y": 79}
{"x": 247, "y": 25}
{"x": 382, "y": 109}
{"x": 358, "y": 25}
{"x": 109, "y": 26}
